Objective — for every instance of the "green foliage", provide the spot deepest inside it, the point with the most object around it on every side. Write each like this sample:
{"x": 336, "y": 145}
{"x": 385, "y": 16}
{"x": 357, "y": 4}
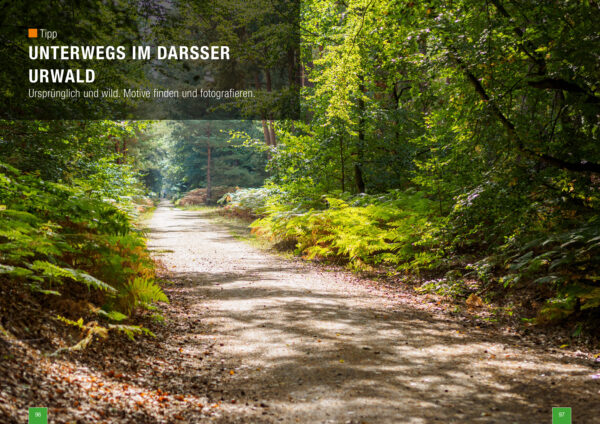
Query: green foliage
{"x": 567, "y": 260}
{"x": 198, "y": 149}
{"x": 472, "y": 126}
{"x": 55, "y": 273}
{"x": 131, "y": 330}
{"x": 140, "y": 292}
{"x": 55, "y": 237}
{"x": 248, "y": 202}
{"x": 396, "y": 229}
{"x": 112, "y": 315}
{"x": 92, "y": 330}
{"x": 444, "y": 287}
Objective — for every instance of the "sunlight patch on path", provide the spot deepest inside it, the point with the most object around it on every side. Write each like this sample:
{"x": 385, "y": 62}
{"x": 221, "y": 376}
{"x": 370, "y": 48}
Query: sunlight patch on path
{"x": 314, "y": 348}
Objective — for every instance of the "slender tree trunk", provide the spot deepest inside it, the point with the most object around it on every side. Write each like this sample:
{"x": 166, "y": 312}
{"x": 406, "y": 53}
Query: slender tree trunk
{"x": 208, "y": 159}
{"x": 271, "y": 124}
{"x": 358, "y": 175}
{"x": 266, "y": 132}
{"x": 342, "y": 163}
{"x": 265, "y": 126}
{"x": 208, "y": 182}
{"x": 292, "y": 76}
{"x": 358, "y": 178}
{"x": 117, "y": 147}
{"x": 268, "y": 80}
{"x": 272, "y": 133}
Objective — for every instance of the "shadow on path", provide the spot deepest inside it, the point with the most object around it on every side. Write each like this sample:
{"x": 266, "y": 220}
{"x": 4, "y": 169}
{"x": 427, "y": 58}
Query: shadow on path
{"x": 310, "y": 347}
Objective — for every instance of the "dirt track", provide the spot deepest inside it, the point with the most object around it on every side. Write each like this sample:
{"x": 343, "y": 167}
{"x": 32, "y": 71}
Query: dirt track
{"x": 272, "y": 340}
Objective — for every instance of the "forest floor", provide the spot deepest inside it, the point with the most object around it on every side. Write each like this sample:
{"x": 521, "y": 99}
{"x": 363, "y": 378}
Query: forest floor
{"x": 251, "y": 337}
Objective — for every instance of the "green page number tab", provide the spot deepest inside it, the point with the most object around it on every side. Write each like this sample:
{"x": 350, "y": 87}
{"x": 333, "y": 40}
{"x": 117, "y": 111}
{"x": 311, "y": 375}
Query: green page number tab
{"x": 38, "y": 415}
{"x": 561, "y": 415}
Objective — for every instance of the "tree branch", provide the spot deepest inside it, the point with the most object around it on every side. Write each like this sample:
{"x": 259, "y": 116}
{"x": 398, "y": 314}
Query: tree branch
{"x": 547, "y": 83}
{"x": 561, "y": 84}
{"x": 582, "y": 166}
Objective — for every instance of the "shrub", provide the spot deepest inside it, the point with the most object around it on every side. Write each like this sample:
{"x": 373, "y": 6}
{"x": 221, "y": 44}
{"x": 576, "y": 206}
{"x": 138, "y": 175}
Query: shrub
{"x": 247, "y": 202}
{"x": 396, "y": 229}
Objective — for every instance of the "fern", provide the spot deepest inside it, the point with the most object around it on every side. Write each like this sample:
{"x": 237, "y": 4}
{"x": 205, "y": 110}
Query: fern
{"x": 397, "y": 229}
{"x": 89, "y": 330}
{"x": 56, "y": 273}
{"x": 15, "y": 271}
{"x": 131, "y": 330}
{"x": 112, "y": 315}
{"x": 92, "y": 329}
{"x": 140, "y": 292}
{"x": 78, "y": 323}
{"x": 89, "y": 280}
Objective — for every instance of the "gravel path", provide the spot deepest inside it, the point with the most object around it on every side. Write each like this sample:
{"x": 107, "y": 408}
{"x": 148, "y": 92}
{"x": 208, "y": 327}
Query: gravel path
{"x": 282, "y": 341}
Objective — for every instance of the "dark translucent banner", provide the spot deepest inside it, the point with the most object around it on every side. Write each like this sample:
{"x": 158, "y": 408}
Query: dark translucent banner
{"x": 224, "y": 59}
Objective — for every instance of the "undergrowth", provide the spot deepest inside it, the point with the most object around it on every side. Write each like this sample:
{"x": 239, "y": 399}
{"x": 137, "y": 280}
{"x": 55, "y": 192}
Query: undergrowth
{"x": 62, "y": 241}
{"x": 402, "y": 231}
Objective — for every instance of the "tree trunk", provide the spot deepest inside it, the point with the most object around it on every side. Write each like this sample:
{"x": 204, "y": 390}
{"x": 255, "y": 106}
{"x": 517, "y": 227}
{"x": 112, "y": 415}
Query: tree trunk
{"x": 266, "y": 132}
{"x": 208, "y": 182}
{"x": 342, "y": 164}
{"x": 358, "y": 179}
{"x": 265, "y": 126}
{"x": 358, "y": 175}
{"x": 208, "y": 154}
{"x": 270, "y": 125}
{"x": 272, "y": 133}
{"x": 117, "y": 148}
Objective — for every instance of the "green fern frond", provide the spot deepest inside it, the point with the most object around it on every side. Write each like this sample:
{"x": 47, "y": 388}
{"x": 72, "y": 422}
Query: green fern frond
{"x": 112, "y": 315}
{"x": 131, "y": 330}
{"x": 140, "y": 292}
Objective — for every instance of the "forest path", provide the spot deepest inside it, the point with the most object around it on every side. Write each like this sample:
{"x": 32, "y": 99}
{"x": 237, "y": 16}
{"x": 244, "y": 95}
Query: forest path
{"x": 272, "y": 340}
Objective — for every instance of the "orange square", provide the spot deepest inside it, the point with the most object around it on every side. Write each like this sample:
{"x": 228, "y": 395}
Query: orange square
{"x": 32, "y": 33}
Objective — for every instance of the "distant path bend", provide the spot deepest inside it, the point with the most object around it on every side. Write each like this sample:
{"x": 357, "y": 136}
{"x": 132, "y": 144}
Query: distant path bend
{"x": 292, "y": 342}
